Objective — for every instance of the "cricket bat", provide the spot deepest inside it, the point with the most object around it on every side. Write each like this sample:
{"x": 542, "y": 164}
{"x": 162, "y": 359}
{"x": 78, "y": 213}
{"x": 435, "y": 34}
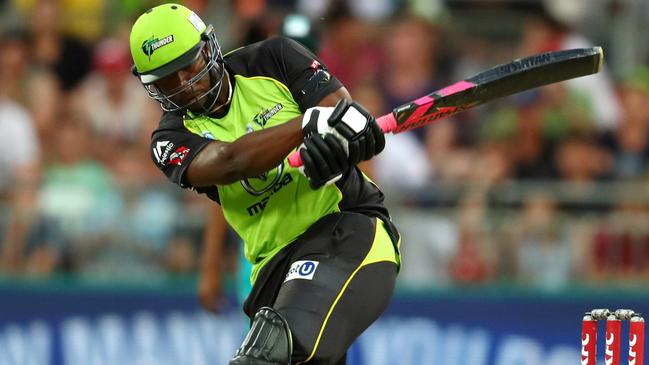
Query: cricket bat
{"x": 500, "y": 81}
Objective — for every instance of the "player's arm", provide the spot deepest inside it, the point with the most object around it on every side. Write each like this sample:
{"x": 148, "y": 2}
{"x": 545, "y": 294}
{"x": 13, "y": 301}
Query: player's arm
{"x": 331, "y": 140}
{"x": 209, "y": 284}
{"x": 220, "y": 163}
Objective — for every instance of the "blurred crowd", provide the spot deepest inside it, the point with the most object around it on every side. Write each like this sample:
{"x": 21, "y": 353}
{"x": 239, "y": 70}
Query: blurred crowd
{"x": 79, "y": 193}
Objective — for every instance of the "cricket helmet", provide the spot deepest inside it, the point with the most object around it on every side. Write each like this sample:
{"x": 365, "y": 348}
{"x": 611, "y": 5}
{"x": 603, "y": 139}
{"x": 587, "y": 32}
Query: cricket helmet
{"x": 168, "y": 38}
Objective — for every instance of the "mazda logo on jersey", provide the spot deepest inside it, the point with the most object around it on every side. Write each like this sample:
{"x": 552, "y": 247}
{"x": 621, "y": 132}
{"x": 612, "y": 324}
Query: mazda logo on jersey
{"x": 264, "y": 182}
{"x": 165, "y": 154}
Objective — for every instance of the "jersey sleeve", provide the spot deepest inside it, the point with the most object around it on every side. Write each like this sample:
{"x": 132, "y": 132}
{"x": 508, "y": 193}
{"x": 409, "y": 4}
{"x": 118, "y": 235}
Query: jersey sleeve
{"x": 173, "y": 148}
{"x": 305, "y": 75}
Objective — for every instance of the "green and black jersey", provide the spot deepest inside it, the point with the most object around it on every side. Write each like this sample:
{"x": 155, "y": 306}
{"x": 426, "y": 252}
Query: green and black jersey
{"x": 274, "y": 81}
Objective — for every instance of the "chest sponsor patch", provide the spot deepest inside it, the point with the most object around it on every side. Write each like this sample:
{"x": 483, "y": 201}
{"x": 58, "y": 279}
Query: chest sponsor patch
{"x": 302, "y": 270}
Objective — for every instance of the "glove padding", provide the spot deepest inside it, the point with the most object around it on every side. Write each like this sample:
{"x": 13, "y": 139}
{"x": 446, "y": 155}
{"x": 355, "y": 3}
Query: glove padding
{"x": 349, "y": 122}
{"x": 359, "y": 128}
{"x": 324, "y": 159}
{"x": 316, "y": 120}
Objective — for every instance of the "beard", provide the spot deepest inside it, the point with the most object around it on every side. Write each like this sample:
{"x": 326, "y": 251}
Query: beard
{"x": 210, "y": 99}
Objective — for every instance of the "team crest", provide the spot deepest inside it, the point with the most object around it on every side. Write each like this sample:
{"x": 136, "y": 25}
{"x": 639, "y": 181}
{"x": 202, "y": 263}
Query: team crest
{"x": 152, "y": 44}
{"x": 263, "y": 116}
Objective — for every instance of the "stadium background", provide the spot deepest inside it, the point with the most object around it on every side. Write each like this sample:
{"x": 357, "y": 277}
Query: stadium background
{"x": 516, "y": 217}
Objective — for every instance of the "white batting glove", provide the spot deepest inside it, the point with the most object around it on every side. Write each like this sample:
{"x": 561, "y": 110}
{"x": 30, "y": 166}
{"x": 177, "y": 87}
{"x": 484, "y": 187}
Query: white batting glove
{"x": 316, "y": 120}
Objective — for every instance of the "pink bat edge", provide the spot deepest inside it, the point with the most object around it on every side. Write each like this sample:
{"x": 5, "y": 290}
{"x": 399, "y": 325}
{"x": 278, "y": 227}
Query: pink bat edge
{"x": 455, "y": 88}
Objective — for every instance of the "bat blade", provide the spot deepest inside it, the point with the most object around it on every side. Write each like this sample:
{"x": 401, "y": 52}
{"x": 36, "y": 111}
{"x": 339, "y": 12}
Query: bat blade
{"x": 497, "y": 82}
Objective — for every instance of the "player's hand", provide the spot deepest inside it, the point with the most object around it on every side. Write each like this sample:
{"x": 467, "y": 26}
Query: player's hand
{"x": 324, "y": 159}
{"x": 359, "y": 127}
{"x": 352, "y": 124}
{"x": 316, "y": 121}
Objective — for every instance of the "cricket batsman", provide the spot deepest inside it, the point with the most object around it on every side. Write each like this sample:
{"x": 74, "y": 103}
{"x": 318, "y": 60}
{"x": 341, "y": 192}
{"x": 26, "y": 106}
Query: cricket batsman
{"x": 323, "y": 248}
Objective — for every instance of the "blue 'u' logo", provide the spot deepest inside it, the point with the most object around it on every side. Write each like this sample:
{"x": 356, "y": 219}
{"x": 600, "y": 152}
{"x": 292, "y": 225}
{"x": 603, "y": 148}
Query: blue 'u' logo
{"x": 306, "y": 268}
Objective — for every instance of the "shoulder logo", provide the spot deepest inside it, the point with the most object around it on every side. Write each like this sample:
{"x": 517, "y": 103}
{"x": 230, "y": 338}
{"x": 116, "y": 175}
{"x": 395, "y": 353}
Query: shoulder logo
{"x": 165, "y": 154}
{"x": 263, "y": 116}
{"x": 152, "y": 44}
{"x": 161, "y": 150}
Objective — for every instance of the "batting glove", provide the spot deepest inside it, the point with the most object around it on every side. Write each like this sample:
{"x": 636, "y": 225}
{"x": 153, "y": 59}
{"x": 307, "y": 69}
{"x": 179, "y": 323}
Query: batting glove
{"x": 324, "y": 159}
{"x": 351, "y": 124}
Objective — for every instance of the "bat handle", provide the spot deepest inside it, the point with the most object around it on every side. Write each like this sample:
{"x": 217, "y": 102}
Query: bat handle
{"x": 294, "y": 159}
{"x": 388, "y": 123}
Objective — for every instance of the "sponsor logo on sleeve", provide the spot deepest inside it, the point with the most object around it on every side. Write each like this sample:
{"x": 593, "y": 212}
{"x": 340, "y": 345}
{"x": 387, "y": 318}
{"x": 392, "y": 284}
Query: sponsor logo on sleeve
{"x": 165, "y": 154}
{"x": 302, "y": 270}
{"x": 161, "y": 151}
{"x": 177, "y": 157}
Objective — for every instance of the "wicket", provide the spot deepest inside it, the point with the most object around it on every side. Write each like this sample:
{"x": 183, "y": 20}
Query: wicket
{"x": 613, "y": 329}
